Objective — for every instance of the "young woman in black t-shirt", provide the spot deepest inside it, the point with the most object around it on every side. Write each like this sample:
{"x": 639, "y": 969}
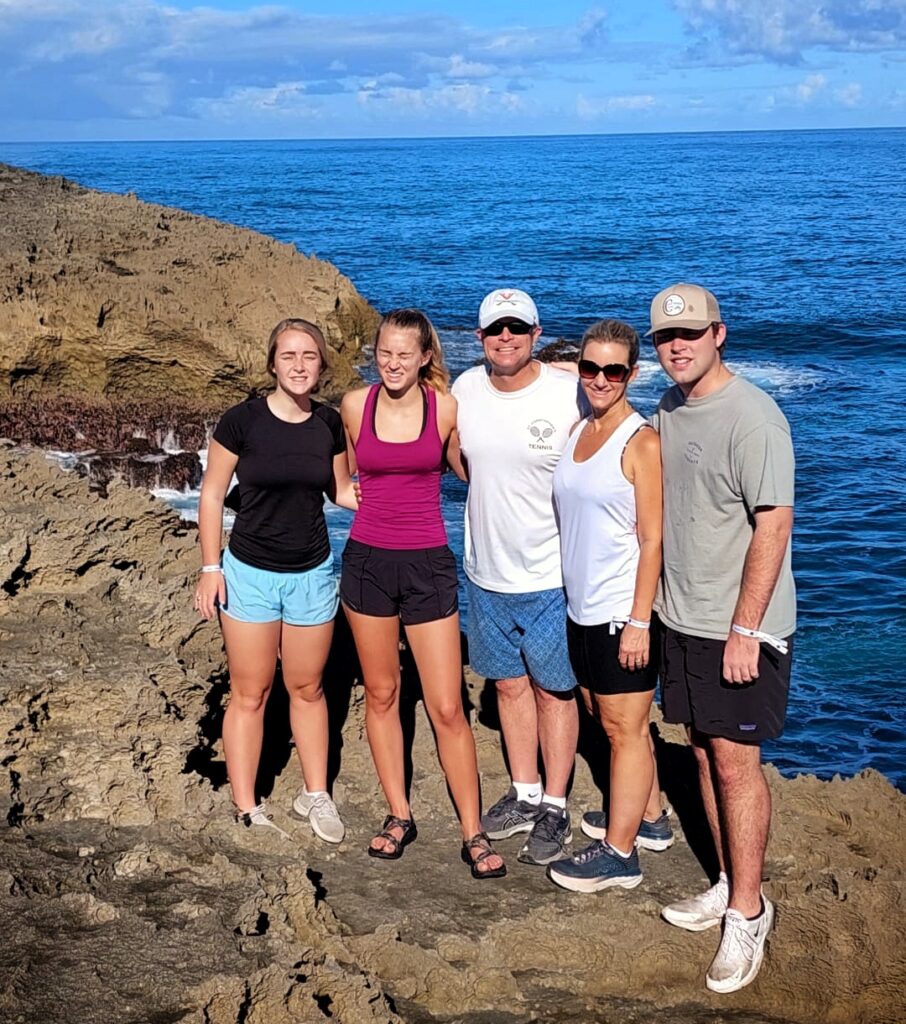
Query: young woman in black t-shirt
{"x": 275, "y": 588}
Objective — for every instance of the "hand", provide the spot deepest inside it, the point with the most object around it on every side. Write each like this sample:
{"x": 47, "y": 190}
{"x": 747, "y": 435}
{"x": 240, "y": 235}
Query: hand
{"x": 634, "y": 647}
{"x": 741, "y": 658}
{"x": 209, "y": 593}
{"x": 357, "y": 487}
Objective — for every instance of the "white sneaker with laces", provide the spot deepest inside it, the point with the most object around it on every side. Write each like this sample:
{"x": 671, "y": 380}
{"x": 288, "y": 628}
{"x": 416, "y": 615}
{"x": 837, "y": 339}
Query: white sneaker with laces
{"x": 741, "y": 950}
{"x": 322, "y": 815}
{"x": 702, "y": 911}
{"x": 258, "y": 817}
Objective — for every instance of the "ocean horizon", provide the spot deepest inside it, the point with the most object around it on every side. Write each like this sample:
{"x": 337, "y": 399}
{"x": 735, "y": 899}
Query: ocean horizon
{"x": 799, "y": 233}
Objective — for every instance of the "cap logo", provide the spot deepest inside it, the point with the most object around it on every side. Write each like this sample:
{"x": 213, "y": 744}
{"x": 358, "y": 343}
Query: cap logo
{"x": 504, "y": 297}
{"x": 674, "y": 304}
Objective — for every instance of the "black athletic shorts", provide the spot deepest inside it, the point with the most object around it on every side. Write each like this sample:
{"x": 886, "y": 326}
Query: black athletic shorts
{"x": 695, "y": 693}
{"x": 418, "y": 586}
{"x": 594, "y": 656}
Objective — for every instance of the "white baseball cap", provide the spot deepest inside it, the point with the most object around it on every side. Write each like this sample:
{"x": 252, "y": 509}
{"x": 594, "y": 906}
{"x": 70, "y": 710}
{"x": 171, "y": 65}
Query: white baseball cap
{"x": 503, "y": 302}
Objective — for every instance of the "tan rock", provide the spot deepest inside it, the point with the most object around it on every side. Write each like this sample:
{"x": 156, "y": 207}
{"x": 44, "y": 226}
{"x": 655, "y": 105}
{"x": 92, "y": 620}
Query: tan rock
{"x": 106, "y": 296}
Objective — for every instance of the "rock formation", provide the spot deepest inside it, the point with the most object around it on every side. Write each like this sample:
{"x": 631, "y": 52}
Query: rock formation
{"x": 105, "y": 297}
{"x": 128, "y": 894}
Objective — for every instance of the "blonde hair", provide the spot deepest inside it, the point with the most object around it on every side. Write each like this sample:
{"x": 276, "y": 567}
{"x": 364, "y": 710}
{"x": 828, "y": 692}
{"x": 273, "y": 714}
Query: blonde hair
{"x": 296, "y": 323}
{"x": 434, "y": 374}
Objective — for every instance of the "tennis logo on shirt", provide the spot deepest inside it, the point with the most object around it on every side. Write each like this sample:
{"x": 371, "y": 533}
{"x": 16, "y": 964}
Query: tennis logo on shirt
{"x": 541, "y": 431}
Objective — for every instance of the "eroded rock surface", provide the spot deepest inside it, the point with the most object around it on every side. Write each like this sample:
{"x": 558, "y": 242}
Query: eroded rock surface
{"x": 128, "y": 894}
{"x": 105, "y": 296}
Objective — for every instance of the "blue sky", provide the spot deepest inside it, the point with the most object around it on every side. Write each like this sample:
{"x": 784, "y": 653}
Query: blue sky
{"x": 143, "y": 69}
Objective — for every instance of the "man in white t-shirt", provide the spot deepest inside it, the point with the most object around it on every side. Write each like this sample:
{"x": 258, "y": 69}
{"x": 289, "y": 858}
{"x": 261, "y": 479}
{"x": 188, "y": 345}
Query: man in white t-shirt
{"x": 515, "y": 416}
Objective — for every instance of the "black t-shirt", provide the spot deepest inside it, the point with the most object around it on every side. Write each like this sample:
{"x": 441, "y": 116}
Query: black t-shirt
{"x": 283, "y": 471}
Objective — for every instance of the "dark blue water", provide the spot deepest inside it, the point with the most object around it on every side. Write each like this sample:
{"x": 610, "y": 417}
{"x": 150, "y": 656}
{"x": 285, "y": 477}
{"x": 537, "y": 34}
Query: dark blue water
{"x": 802, "y": 235}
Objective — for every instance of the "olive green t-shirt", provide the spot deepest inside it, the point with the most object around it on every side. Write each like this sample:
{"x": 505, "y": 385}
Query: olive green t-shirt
{"x": 724, "y": 456}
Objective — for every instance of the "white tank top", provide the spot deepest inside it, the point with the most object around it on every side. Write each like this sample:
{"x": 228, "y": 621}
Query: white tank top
{"x": 599, "y": 544}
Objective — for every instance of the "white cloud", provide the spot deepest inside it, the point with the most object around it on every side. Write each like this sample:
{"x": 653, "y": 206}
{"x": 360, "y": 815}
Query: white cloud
{"x": 808, "y": 89}
{"x": 849, "y": 95}
{"x": 781, "y": 30}
{"x": 590, "y": 108}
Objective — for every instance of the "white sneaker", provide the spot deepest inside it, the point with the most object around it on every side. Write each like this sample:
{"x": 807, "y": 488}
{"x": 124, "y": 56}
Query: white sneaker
{"x": 741, "y": 950}
{"x": 258, "y": 817}
{"x": 322, "y": 815}
{"x": 702, "y": 911}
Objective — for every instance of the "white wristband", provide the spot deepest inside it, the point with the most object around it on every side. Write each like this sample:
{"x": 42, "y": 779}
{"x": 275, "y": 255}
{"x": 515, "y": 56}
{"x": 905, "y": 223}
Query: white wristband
{"x": 756, "y": 634}
{"x": 638, "y": 623}
{"x": 211, "y": 568}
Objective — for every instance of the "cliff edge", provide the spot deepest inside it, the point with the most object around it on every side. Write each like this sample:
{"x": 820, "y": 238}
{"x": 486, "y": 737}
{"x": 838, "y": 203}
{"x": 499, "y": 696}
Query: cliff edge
{"x": 105, "y": 297}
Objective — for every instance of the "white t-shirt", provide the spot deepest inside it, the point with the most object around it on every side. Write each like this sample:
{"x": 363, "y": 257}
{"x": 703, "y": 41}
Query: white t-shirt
{"x": 512, "y": 442}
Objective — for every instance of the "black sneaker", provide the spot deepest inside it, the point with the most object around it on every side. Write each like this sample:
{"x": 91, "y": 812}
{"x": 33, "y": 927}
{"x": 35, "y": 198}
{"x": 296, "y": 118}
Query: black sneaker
{"x": 509, "y": 816}
{"x": 549, "y": 836}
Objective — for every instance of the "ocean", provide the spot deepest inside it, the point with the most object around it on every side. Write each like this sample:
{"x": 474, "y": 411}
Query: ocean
{"x": 802, "y": 236}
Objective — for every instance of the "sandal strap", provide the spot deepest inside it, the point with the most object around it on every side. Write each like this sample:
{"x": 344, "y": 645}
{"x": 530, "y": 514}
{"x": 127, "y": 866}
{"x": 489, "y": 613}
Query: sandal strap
{"x": 479, "y": 841}
{"x": 392, "y": 821}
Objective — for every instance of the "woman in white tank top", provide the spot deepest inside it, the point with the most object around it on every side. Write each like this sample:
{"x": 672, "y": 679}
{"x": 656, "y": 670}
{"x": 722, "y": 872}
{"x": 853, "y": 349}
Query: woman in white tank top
{"x": 607, "y": 494}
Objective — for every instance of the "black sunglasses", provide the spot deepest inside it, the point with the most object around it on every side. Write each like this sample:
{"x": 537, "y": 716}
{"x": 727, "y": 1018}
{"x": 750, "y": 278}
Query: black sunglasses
{"x": 513, "y": 326}
{"x": 683, "y": 333}
{"x": 615, "y": 373}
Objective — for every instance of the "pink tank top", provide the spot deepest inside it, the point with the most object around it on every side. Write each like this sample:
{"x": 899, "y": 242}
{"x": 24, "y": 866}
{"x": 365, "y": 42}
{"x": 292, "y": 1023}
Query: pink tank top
{"x": 400, "y": 483}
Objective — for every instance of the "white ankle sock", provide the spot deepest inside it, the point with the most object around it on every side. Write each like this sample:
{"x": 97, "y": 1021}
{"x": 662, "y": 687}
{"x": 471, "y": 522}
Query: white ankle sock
{"x": 528, "y": 792}
{"x": 620, "y": 853}
{"x": 315, "y": 792}
{"x": 557, "y": 801}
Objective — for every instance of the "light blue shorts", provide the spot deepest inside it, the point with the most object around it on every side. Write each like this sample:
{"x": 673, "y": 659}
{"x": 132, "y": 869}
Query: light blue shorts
{"x": 513, "y": 635}
{"x": 308, "y": 598}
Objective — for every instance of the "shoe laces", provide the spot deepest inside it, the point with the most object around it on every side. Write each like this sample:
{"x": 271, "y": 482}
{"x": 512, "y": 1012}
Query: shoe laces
{"x": 549, "y": 824}
{"x": 322, "y": 804}
{"x": 738, "y": 942}
{"x": 592, "y": 852}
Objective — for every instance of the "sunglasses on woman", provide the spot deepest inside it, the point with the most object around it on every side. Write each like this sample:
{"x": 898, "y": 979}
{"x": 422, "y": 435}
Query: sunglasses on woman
{"x": 614, "y": 373}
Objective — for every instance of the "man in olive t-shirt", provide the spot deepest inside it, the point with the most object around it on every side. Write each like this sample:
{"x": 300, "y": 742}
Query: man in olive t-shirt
{"x": 728, "y": 605}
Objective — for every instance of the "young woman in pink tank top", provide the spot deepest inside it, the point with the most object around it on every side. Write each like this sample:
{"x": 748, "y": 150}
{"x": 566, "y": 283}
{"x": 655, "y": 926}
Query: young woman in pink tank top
{"x": 397, "y": 567}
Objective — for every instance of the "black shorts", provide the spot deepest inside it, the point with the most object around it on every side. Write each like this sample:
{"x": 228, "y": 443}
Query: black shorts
{"x": 418, "y": 586}
{"x": 594, "y": 655}
{"x": 694, "y": 691}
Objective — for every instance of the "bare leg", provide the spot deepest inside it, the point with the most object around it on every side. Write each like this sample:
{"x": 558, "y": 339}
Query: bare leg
{"x": 519, "y": 724}
{"x": 558, "y": 731}
{"x": 625, "y": 720}
{"x": 702, "y": 750}
{"x": 377, "y": 643}
{"x": 654, "y": 806}
{"x": 252, "y": 657}
{"x": 745, "y": 808}
{"x": 435, "y": 647}
{"x": 304, "y": 651}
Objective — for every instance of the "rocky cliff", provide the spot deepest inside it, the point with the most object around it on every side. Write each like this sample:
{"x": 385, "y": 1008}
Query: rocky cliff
{"x": 128, "y": 894}
{"x": 105, "y": 297}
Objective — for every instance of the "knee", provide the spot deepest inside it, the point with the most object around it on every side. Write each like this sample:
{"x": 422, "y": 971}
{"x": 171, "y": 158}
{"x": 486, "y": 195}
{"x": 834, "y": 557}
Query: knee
{"x": 624, "y": 732}
{"x": 736, "y": 768}
{"x": 512, "y": 689}
{"x": 381, "y": 700}
{"x": 248, "y": 702}
{"x": 307, "y": 691}
{"x": 447, "y": 716}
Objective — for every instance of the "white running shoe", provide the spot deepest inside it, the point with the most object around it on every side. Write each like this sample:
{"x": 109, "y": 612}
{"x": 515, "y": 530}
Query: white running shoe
{"x": 702, "y": 911}
{"x": 741, "y": 950}
{"x": 258, "y": 817}
{"x": 322, "y": 815}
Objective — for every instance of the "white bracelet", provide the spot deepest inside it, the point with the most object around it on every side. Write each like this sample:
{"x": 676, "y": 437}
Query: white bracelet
{"x": 211, "y": 568}
{"x": 756, "y": 634}
{"x": 638, "y": 623}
